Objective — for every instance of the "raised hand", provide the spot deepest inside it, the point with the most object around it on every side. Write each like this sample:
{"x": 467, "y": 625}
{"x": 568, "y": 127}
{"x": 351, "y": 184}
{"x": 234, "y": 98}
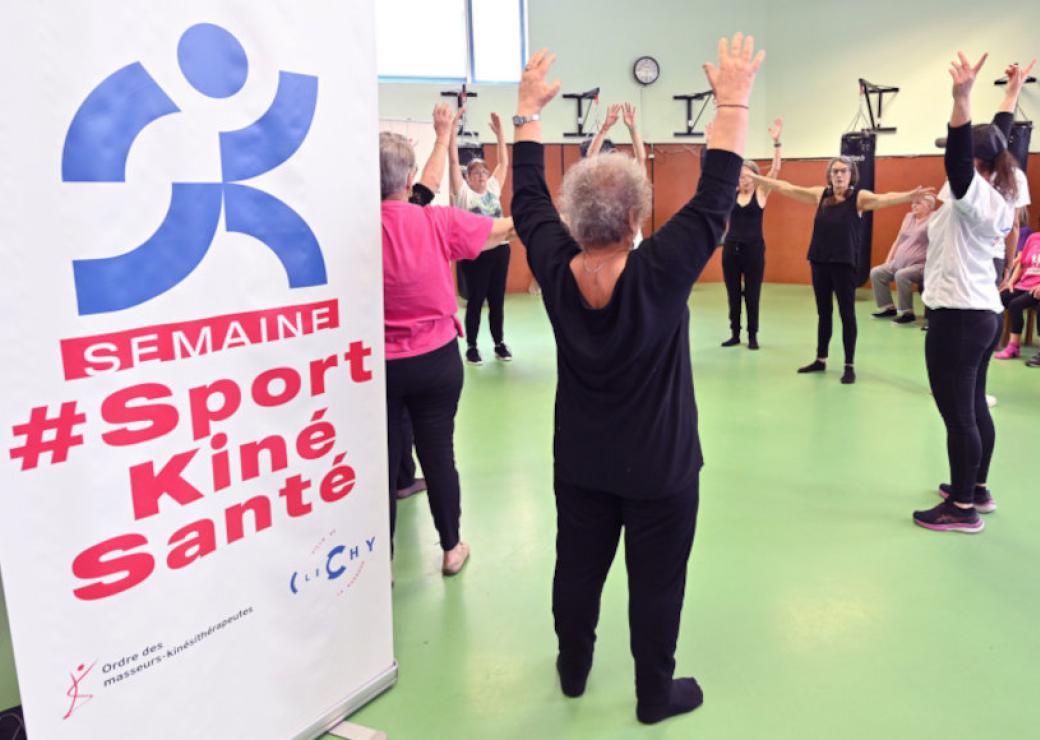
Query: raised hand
{"x": 1017, "y": 76}
{"x": 776, "y": 129}
{"x": 496, "y": 125}
{"x": 733, "y": 79}
{"x": 443, "y": 119}
{"x": 964, "y": 73}
{"x": 628, "y": 111}
{"x": 535, "y": 90}
{"x": 613, "y": 111}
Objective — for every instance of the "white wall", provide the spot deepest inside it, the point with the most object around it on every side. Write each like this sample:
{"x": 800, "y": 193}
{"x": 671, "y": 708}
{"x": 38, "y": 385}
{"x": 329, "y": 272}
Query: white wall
{"x": 817, "y": 49}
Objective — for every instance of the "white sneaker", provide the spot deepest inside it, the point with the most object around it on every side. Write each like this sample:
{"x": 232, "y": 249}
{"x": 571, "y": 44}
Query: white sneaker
{"x": 991, "y": 401}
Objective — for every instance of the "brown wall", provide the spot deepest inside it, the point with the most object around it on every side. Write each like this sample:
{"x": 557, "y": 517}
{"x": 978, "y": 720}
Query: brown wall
{"x": 675, "y": 169}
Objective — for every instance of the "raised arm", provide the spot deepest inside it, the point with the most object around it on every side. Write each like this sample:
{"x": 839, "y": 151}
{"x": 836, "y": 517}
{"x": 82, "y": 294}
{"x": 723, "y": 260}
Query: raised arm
{"x": 601, "y": 135}
{"x": 638, "y": 150}
{"x": 809, "y": 195}
{"x": 1016, "y": 76}
{"x": 959, "y": 159}
{"x": 684, "y": 244}
{"x": 867, "y": 200}
{"x": 433, "y": 172}
{"x": 502, "y": 168}
{"x": 774, "y": 133}
{"x": 455, "y": 181}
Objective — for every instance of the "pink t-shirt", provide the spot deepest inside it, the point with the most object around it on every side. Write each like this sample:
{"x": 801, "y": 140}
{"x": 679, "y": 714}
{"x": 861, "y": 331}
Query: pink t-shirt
{"x": 419, "y": 245}
{"x": 1030, "y": 275}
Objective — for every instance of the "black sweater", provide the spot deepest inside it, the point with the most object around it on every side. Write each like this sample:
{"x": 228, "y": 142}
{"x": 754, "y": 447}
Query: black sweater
{"x": 626, "y": 421}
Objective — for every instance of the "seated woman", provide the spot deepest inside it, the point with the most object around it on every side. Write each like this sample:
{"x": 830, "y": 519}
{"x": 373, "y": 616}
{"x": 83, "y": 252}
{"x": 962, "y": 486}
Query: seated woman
{"x": 1021, "y": 294}
{"x": 904, "y": 263}
{"x": 626, "y": 451}
{"x": 423, "y": 366}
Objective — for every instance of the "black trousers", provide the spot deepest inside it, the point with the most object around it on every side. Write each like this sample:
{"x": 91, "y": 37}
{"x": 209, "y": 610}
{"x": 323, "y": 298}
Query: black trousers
{"x": 829, "y": 281}
{"x": 1016, "y": 302}
{"x": 485, "y": 279}
{"x": 406, "y": 470}
{"x": 745, "y": 261}
{"x": 957, "y": 351}
{"x": 428, "y": 388}
{"x": 658, "y": 539}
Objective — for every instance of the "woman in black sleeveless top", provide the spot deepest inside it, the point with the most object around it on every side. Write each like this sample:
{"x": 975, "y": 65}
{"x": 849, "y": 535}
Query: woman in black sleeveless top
{"x": 835, "y": 247}
{"x": 744, "y": 248}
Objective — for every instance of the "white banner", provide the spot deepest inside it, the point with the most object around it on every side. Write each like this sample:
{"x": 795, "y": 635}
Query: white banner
{"x": 193, "y": 493}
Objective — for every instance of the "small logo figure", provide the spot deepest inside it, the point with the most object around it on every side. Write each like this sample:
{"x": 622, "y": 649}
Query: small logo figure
{"x": 98, "y": 143}
{"x": 73, "y": 693}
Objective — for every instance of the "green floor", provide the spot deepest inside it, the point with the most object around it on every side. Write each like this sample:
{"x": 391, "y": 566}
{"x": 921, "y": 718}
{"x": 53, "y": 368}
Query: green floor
{"x": 815, "y": 609}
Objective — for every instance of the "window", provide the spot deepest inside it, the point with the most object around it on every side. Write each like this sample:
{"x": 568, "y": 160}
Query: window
{"x": 482, "y": 41}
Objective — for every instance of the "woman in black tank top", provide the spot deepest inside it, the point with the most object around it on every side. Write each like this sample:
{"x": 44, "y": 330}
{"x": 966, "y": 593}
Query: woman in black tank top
{"x": 744, "y": 248}
{"x": 834, "y": 250}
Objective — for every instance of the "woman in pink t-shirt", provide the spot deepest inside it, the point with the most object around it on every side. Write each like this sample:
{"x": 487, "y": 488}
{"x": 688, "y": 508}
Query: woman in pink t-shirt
{"x": 423, "y": 366}
{"x": 1022, "y": 293}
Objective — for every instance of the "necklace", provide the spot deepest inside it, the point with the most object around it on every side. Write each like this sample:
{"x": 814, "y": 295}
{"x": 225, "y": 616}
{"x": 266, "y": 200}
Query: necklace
{"x": 585, "y": 264}
{"x": 597, "y": 268}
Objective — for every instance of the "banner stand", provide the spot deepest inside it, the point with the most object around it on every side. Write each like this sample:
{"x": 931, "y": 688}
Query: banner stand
{"x": 333, "y": 721}
{"x": 350, "y": 731}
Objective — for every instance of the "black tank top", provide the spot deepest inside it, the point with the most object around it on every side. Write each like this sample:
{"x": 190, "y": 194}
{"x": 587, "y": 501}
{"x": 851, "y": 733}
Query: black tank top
{"x": 837, "y": 232}
{"x": 745, "y": 222}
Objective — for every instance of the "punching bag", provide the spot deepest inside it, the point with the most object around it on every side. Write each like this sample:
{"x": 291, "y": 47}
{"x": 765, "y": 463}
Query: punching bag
{"x": 859, "y": 146}
{"x": 1018, "y": 144}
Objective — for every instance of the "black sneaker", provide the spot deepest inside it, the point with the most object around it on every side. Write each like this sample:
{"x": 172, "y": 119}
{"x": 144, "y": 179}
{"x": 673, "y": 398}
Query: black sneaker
{"x": 752, "y": 341}
{"x": 984, "y": 503}
{"x": 885, "y": 313}
{"x": 502, "y": 352}
{"x": 948, "y": 517}
{"x": 732, "y": 341}
{"x": 473, "y": 356}
{"x": 1033, "y": 361}
{"x": 906, "y": 318}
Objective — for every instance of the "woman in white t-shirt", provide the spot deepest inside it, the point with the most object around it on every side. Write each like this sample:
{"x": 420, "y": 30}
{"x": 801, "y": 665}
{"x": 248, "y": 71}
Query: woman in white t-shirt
{"x": 964, "y": 306}
{"x": 480, "y": 191}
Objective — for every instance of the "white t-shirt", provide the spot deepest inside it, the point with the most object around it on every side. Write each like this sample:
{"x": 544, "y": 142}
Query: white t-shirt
{"x": 488, "y": 203}
{"x": 964, "y": 236}
{"x": 1023, "y": 198}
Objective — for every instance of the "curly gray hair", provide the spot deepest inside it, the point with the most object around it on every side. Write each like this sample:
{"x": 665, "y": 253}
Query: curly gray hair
{"x": 396, "y": 162}
{"x": 599, "y": 194}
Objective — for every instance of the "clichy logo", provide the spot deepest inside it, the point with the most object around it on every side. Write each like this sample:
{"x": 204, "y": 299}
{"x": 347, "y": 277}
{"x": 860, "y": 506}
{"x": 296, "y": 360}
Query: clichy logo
{"x": 98, "y": 143}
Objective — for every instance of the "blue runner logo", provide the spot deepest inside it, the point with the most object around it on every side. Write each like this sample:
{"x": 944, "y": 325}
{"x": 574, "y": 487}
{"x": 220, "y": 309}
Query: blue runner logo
{"x": 98, "y": 143}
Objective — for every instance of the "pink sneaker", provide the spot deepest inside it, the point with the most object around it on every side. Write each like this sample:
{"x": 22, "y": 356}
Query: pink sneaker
{"x": 1008, "y": 353}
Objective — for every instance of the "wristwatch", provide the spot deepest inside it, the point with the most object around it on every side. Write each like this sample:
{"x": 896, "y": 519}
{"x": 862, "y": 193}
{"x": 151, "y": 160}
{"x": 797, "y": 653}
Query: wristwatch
{"x": 521, "y": 120}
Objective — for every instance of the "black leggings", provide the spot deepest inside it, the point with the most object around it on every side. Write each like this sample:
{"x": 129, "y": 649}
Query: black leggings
{"x": 747, "y": 261}
{"x": 957, "y": 351}
{"x": 837, "y": 280}
{"x": 658, "y": 539}
{"x": 428, "y": 387}
{"x": 406, "y": 471}
{"x": 1016, "y": 302}
{"x": 485, "y": 279}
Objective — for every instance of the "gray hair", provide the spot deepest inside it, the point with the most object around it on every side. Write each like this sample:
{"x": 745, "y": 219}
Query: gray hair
{"x": 598, "y": 196}
{"x": 753, "y": 166}
{"x": 396, "y": 162}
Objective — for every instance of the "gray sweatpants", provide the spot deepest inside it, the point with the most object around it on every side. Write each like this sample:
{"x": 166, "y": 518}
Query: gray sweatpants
{"x": 905, "y": 278}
